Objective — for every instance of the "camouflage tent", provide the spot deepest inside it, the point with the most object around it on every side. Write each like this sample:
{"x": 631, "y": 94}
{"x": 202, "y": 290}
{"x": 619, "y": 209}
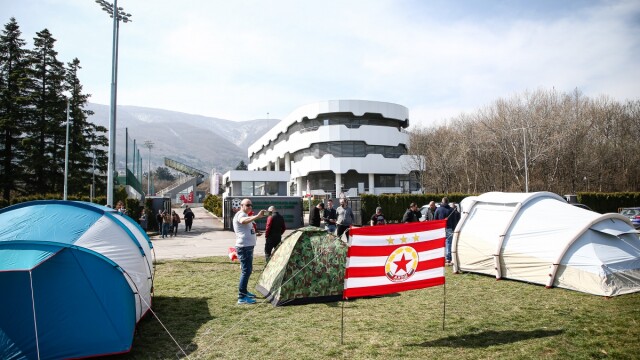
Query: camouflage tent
{"x": 308, "y": 266}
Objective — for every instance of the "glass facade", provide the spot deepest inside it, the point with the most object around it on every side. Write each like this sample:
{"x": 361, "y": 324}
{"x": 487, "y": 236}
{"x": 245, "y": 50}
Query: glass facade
{"x": 349, "y": 149}
{"x": 348, "y": 120}
{"x": 256, "y": 188}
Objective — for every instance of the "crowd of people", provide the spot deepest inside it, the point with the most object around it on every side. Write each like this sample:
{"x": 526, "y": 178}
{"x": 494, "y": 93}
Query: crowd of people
{"x": 168, "y": 221}
{"x": 336, "y": 220}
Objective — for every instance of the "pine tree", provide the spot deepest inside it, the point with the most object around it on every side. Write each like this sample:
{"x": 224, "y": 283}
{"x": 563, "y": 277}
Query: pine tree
{"x": 241, "y": 165}
{"x": 14, "y": 87}
{"x": 46, "y": 128}
{"x": 86, "y": 140}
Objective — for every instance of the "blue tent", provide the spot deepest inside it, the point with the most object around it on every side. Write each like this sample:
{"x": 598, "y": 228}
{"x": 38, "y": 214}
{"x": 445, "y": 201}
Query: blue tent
{"x": 75, "y": 277}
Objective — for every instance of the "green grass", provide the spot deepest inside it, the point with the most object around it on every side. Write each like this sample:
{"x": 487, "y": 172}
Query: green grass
{"x": 485, "y": 319}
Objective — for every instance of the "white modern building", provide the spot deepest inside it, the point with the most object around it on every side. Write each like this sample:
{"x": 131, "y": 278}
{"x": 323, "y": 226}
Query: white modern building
{"x": 340, "y": 146}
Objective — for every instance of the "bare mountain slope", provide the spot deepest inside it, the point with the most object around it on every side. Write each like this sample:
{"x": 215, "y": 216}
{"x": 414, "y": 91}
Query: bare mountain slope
{"x": 202, "y": 142}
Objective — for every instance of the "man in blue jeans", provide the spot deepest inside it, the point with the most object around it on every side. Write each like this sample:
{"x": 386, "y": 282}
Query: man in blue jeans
{"x": 452, "y": 215}
{"x": 245, "y": 242}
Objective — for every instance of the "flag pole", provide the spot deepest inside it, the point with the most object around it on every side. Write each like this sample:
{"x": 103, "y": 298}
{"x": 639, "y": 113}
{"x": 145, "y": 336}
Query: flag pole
{"x": 444, "y": 302}
{"x": 342, "y": 325}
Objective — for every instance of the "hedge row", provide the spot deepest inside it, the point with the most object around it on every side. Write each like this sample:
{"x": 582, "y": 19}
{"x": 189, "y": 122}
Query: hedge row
{"x": 394, "y": 205}
{"x": 609, "y": 202}
{"x": 213, "y": 203}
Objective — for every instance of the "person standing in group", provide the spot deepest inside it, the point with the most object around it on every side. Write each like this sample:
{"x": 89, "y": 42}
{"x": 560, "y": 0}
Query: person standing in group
{"x": 245, "y": 243}
{"x": 443, "y": 213}
{"x": 314, "y": 215}
{"x": 120, "y": 208}
{"x": 273, "y": 233}
{"x": 175, "y": 220}
{"x": 431, "y": 211}
{"x": 412, "y": 214}
{"x": 452, "y": 221}
{"x": 166, "y": 223}
{"x": 143, "y": 219}
{"x": 188, "y": 218}
{"x": 378, "y": 217}
{"x": 345, "y": 218}
{"x": 159, "y": 220}
{"x": 330, "y": 217}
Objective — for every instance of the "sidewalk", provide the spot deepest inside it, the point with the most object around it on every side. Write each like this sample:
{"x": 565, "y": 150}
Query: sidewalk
{"x": 206, "y": 238}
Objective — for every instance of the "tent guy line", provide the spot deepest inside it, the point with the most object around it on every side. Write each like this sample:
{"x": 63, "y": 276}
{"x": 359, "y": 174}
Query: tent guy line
{"x": 167, "y": 330}
{"x": 261, "y": 304}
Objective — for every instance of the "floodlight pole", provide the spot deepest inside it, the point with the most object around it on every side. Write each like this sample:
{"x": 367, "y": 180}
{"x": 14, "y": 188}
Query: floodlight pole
{"x": 117, "y": 14}
{"x": 66, "y": 156}
{"x": 93, "y": 177}
{"x": 149, "y": 145}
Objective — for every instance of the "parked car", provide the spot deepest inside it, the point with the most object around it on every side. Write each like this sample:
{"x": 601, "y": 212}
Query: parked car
{"x": 633, "y": 213}
{"x": 423, "y": 211}
{"x": 573, "y": 200}
{"x": 581, "y": 206}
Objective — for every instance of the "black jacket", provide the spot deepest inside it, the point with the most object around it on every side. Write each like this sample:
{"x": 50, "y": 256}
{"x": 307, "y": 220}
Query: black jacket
{"x": 314, "y": 216}
{"x": 411, "y": 216}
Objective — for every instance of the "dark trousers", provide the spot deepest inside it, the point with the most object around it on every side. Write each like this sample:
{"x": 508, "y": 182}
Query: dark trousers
{"x": 342, "y": 229}
{"x": 269, "y": 246}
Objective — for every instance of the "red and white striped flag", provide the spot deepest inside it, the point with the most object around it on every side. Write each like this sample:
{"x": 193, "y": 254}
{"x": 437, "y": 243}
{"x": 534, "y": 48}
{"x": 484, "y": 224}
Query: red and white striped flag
{"x": 393, "y": 258}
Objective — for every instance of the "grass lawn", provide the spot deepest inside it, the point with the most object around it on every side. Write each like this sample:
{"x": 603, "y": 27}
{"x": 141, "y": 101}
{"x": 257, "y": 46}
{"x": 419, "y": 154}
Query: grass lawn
{"x": 485, "y": 319}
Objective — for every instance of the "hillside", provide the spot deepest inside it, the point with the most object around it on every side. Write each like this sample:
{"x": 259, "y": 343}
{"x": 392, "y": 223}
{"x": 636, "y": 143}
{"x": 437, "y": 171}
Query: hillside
{"x": 202, "y": 142}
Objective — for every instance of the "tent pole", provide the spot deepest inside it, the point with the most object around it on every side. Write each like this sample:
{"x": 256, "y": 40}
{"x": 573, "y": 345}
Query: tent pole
{"x": 342, "y": 325}
{"x": 35, "y": 322}
{"x": 444, "y": 302}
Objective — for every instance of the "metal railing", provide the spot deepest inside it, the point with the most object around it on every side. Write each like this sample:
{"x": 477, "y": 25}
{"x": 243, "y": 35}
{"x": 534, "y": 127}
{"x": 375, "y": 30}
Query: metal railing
{"x": 174, "y": 185}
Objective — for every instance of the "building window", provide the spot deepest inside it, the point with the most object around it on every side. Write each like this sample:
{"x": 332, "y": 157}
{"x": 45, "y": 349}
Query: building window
{"x": 271, "y": 188}
{"x": 247, "y": 188}
{"x": 386, "y": 181}
{"x": 349, "y": 149}
{"x": 404, "y": 185}
{"x": 259, "y": 188}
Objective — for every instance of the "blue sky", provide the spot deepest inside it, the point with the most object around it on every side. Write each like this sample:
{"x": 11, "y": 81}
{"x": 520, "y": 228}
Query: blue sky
{"x": 240, "y": 60}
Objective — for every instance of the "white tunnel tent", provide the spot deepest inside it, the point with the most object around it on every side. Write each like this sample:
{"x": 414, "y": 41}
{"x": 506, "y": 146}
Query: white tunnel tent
{"x": 539, "y": 238}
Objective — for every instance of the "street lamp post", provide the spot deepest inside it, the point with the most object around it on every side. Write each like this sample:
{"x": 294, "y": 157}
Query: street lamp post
{"x": 149, "y": 145}
{"x": 66, "y": 156}
{"x": 93, "y": 177}
{"x": 526, "y": 168}
{"x": 117, "y": 13}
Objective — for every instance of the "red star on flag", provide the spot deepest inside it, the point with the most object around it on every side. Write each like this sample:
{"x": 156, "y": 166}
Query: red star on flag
{"x": 402, "y": 264}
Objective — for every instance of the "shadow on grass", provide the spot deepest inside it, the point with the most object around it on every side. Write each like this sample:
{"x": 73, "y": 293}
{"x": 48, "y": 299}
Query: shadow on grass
{"x": 340, "y": 303}
{"x": 182, "y": 317}
{"x": 488, "y": 338}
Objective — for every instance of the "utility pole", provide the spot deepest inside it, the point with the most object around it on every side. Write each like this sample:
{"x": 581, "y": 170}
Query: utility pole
{"x": 149, "y": 145}
{"x": 526, "y": 167}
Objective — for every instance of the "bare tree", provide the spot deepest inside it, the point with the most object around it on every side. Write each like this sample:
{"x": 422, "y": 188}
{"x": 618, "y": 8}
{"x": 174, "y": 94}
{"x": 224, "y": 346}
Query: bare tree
{"x": 570, "y": 143}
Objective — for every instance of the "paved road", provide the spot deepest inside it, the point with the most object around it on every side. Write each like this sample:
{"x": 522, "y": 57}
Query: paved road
{"x": 207, "y": 238}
